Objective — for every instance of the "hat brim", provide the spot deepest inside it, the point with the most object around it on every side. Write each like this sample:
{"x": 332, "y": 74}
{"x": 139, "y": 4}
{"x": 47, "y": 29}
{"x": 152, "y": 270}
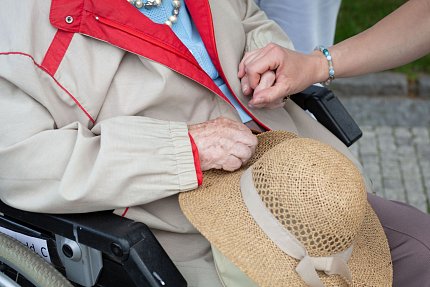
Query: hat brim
{"x": 217, "y": 210}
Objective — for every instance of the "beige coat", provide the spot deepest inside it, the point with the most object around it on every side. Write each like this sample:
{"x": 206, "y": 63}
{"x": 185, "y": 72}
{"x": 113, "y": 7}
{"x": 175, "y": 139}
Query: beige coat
{"x": 94, "y": 110}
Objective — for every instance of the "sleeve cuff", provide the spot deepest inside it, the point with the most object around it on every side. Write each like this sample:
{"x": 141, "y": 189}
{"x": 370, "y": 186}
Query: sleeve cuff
{"x": 199, "y": 172}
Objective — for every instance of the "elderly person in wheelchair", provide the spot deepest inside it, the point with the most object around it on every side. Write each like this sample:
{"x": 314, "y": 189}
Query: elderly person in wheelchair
{"x": 124, "y": 105}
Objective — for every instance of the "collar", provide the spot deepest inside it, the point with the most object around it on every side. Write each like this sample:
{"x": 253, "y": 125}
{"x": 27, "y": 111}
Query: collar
{"x": 120, "y": 24}
{"x": 100, "y": 19}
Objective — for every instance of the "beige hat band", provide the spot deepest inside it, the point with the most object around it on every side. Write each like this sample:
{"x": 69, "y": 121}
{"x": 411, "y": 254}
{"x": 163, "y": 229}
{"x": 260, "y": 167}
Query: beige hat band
{"x": 288, "y": 243}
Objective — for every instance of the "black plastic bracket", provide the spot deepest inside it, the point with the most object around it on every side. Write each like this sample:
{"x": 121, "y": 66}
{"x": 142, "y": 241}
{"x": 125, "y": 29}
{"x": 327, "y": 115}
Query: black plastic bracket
{"x": 330, "y": 112}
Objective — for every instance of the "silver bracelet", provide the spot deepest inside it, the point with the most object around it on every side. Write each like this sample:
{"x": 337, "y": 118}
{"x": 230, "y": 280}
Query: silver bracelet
{"x": 327, "y": 55}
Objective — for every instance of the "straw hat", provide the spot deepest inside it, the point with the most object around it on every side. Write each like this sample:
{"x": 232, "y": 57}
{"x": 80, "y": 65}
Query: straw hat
{"x": 295, "y": 215}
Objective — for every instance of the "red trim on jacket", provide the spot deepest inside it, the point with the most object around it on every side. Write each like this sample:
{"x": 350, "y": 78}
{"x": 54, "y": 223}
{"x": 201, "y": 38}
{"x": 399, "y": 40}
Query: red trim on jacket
{"x": 55, "y": 80}
{"x": 125, "y": 211}
{"x": 201, "y": 14}
{"x": 199, "y": 172}
{"x": 131, "y": 31}
{"x": 134, "y": 32}
{"x": 56, "y": 51}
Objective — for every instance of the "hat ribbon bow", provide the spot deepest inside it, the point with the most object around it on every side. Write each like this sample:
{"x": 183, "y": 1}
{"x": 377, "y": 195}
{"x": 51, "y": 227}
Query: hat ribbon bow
{"x": 288, "y": 243}
{"x": 331, "y": 265}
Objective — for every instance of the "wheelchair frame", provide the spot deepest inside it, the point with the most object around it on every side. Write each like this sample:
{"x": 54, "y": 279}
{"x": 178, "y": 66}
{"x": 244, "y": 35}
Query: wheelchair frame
{"x": 125, "y": 248}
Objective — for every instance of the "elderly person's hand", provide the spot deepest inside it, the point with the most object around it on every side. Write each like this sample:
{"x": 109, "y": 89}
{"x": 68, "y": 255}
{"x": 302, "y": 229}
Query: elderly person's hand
{"x": 223, "y": 143}
{"x": 267, "y": 80}
{"x": 293, "y": 72}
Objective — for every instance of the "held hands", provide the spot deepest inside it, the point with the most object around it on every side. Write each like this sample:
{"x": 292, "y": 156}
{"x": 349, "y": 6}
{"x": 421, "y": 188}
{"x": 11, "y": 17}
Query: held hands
{"x": 223, "y": 143}
{"x": 267, "y": 80}
{"x": 268, "y": 75}
{"x": 272, "y": 73}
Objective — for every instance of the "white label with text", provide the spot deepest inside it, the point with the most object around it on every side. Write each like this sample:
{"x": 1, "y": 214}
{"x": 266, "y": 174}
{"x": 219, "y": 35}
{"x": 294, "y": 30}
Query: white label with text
{"x": 40, "y": 246}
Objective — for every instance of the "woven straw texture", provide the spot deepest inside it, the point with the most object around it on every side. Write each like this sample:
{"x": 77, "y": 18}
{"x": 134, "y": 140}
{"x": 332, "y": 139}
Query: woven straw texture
{"x": 320, "y": 184}
{"x": 315, "y": 192}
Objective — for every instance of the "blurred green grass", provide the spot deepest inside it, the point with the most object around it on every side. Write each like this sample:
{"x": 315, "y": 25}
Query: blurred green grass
{"x": 356, "y": 16}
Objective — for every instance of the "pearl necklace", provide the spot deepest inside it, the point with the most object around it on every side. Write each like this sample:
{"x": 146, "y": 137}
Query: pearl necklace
{"x": 156, "y": 3}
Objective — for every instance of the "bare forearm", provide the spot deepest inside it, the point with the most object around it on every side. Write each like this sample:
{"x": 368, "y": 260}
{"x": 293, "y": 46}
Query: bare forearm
{"x": 399, "y": 38}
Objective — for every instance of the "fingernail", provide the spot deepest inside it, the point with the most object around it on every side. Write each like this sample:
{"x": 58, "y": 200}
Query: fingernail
{"x": 245, "y": 89}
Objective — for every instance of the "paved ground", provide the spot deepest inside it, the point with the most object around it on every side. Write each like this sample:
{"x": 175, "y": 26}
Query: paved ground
{"x": 395, "y": 147}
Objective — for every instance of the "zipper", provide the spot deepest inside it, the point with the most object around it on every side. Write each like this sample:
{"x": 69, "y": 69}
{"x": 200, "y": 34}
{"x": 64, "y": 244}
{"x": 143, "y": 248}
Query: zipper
{"x": 145, "y": 37}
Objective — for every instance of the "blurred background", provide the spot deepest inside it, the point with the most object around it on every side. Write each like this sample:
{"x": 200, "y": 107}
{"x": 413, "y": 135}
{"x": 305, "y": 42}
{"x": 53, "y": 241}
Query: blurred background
{"x": 356, "y": 16}
{"x": 393, "y": 110}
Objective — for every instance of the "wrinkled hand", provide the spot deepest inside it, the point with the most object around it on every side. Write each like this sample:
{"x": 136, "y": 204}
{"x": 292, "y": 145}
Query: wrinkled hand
{"x": 223, "y": 143}
{"x": 293, "y": 72}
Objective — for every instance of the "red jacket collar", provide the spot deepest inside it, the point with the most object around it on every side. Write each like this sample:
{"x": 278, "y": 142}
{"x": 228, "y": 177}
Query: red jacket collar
{"x": 120, "y": 24}
{"x": 84, "y": 12}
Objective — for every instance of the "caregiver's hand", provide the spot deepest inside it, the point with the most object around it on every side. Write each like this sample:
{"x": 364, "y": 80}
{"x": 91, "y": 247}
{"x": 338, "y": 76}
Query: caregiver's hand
{"x": 272, "y": 73}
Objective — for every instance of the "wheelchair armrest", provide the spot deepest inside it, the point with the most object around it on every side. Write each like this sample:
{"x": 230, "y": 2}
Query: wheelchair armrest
{"x": 127, "y": 242}
{"x": 330, "y": 112}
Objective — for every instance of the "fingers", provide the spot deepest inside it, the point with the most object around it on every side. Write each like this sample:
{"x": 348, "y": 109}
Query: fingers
{"x": 255, "y": 63}
{"x": 236, "y": 132}
{"x": 231, "y": 164}
{"x": 242, "y": 152}
{"x": 245, "y": 60}
{"x": 239, "y": 155}
{"x": 267, "y": 80}
{"x": 223, "y": 144}
{"x": 244, "y": 79}
{"x": 262, "y": 97}
{"x": 294, "y": 72}
{"x": 271, "y": 97}
{"x": 257, "y": 74}
{"x": 246, "y": 88}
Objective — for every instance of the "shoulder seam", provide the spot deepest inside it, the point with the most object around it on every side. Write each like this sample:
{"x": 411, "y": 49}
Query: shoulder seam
{"x": 55, "y": 80}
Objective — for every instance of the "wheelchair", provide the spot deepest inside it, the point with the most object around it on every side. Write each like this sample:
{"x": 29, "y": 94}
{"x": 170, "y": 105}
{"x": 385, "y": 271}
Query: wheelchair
{"x": 106, "y": 250}
{"x": 91, "y": 249}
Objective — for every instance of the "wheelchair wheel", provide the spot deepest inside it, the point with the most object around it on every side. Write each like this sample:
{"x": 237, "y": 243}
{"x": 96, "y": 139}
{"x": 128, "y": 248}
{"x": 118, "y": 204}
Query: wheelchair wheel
{"x": 27, "y": 264}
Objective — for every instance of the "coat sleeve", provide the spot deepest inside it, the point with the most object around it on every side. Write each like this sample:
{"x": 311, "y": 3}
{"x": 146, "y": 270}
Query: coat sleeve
{"x": 120, "y": 162}
{"x": 260, "y": 30}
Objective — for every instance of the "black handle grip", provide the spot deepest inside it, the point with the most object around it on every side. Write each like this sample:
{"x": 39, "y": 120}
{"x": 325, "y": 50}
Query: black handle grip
{"x": 330, "y": 112}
